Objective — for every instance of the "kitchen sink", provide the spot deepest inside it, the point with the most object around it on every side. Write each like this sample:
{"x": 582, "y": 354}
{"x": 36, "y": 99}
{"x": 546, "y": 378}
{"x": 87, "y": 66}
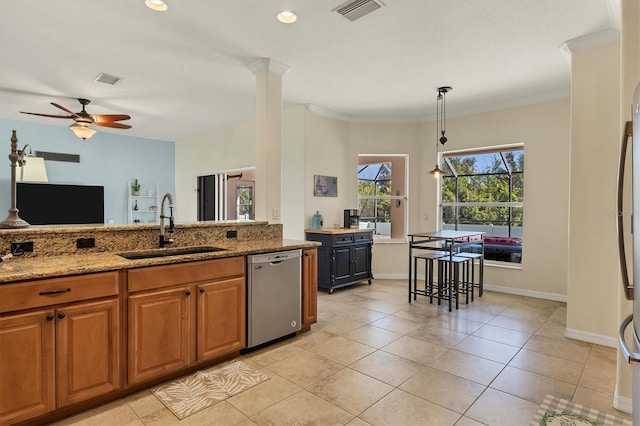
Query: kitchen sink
{"x": 178, "y": 251}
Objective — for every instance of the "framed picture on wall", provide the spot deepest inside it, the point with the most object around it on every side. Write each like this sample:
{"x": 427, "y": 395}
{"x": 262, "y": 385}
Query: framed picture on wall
{"x": 325, "y": 186}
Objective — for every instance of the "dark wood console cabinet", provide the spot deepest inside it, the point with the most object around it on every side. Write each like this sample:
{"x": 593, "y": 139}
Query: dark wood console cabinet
{"x": 344, "y": 257}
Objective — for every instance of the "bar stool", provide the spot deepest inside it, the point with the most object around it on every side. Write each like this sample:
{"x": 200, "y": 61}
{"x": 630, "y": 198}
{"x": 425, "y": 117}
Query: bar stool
{"x": 429, "y": 258}
{"x": 453, "y": 278}
{"x": 480, "y": 258}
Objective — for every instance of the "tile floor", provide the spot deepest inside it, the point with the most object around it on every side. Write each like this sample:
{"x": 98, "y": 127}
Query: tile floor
{"x": 372, "y": 358}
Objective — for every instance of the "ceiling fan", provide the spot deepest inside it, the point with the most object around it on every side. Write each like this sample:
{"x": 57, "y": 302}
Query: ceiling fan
{"x": 83, "y": 119}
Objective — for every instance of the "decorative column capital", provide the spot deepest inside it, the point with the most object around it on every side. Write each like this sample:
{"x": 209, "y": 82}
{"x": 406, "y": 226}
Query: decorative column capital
{"x": 268, "y": 64}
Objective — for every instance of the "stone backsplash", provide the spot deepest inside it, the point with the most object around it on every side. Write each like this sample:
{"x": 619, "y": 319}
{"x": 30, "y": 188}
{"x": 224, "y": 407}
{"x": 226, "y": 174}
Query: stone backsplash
{"x": 63, "y": 240}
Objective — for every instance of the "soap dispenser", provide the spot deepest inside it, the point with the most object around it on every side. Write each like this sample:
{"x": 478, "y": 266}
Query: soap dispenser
{"x": 316, "y": 221}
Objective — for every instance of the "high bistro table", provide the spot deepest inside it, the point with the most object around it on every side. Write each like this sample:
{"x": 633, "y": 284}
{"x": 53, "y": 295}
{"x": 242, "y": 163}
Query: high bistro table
{"x": 450, "y": 241}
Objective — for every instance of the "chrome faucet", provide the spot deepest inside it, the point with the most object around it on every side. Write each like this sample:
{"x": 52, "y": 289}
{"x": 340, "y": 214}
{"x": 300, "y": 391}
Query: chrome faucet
{"x": 164, "y": 241}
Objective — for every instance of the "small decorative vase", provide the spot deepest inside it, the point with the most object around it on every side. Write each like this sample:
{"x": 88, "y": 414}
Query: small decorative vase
{"x": 135, "y": 193}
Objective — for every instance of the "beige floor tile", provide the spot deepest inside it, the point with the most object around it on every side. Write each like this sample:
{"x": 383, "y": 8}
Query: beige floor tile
{"x": 495, "y": 408}
{"x": 312, "y": 338}
{"x": 161, "y": 418}
{"x": 263, "y": 395}
{"x": 397, "y": 324}
{"x": 341, "y": 325}
{"x": 381, "y": 306}
{"x": 598, "y": 401}
{"x": 116, "y": 413}
{"x": 466, "y": 421}
{"x": 569, "y": 349}
{"x": 305, "y": 368}
{"x": 418, "y": 311}
{"x": 559, "y": 317}
{"x": 455, "y": 324}
{"x": 438, "y": 336}
{"x": 415, "y": 350}
{"x": 373, "y": 336}
{"x": 302, "y": 408}
{"x": 143, "y": 403}
{"x": 246, "y": 422}
{"x": 269, "y": 355}
{"x": 488, "y": 349}
{"x": 467, "y": 366}
{"x": 363, "y": 315}
{"x": 444, "y": 389}
{"x": 598, "y": 379}
{"x": 547, "y": 365}
{"x": 516, "y": 324}
{"x": 403, "y": 408}
{"x": 350, "y": 390}
{"x": 358, "y": 422}
{"x": 531, "y": 386}
{"x": 473, "y": 313}
{"x": 342, "y": 350}
{"x": 602, "y": 357}
{"x": 552, "y": 330}
{"x": 389, "y": 368}
{"x": 502, "y": 335}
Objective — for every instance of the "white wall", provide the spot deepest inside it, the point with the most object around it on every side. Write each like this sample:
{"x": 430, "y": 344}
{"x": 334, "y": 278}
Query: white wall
{"x": 232, "y": 148}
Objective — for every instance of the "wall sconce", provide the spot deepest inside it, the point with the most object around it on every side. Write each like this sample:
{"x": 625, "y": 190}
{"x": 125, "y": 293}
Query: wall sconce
{"x": 441, "y": 124}
{"x": 18, "y": 159}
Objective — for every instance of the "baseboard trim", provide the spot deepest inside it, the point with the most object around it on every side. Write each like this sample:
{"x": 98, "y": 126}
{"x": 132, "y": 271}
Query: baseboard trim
{"x": 622, "y": 403}
{"x": 585, "y": 336}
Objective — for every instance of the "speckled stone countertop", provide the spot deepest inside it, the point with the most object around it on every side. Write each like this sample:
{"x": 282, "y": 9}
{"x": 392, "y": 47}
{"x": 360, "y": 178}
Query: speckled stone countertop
{"x": 56, "y": 254}
{"x": 336, "y": 230}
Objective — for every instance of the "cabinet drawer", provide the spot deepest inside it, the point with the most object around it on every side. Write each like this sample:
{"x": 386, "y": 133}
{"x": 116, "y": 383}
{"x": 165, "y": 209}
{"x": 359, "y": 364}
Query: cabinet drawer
{"x": 184, "y": 273}
{"x": 14, "y": 297}
{"x": 342, "y": 239}
{"x": 363, "y": 237}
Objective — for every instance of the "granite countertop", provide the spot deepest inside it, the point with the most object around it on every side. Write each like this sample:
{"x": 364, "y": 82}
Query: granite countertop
{"x": 337, "y": 230}
{"x": 21, "y": 269}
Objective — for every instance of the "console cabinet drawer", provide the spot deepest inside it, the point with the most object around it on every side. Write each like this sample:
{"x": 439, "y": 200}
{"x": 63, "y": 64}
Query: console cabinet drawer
{"x": 35, "y": 294}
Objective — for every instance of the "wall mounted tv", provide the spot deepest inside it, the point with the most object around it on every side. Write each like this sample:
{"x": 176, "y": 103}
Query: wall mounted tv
{"x": 54, "y": 204}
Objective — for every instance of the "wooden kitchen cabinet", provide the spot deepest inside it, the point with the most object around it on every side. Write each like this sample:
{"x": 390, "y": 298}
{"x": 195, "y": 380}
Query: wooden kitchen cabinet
{"x": 309, "y": 287}
{"x": 59, "y": 354}
{"x": 222, "y": 316}
{"x": 184, "y": 313}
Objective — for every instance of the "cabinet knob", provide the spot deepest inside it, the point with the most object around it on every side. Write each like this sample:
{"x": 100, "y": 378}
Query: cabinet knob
{"x": 50, "y": 317}
{"x": 202, "y": 290}
{"x": 61, "y": 315}
{"x": 188, "y": 293}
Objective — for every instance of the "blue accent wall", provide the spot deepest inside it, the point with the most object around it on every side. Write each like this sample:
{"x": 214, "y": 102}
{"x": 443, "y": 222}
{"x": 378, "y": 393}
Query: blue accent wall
{"x": 107, "y": 159}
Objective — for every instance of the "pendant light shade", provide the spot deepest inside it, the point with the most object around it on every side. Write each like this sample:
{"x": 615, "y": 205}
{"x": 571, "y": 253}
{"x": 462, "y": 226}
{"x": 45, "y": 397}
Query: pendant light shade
{"x": 83, "y": 132}
{"x": 441, "y": 125}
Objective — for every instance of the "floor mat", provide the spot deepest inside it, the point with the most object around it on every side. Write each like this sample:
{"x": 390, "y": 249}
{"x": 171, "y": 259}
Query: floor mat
{"x": 190, "y": 394}
{"x": 556, "y": 411}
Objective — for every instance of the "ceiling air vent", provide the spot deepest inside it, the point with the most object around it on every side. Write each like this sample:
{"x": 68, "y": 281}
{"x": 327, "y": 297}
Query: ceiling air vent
{"x": 107, "y": 78}
{"x": 356, "y": 9}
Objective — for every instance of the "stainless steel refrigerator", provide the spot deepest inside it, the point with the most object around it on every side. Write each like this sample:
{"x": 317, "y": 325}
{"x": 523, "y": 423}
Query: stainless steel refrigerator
{"x": 632, "y": 351}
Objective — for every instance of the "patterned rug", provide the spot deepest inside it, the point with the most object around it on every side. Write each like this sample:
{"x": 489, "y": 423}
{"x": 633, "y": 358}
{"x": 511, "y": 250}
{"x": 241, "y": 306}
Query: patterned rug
{"x": 557, "y": 411}
{"x": 190, "y": 394}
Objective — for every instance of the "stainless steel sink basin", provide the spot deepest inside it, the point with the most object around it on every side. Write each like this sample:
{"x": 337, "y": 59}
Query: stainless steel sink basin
{"x": 149, "y": 254}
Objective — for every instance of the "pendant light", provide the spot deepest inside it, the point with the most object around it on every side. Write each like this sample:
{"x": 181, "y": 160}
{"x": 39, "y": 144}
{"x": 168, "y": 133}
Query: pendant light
{"x": 441, "y": 124}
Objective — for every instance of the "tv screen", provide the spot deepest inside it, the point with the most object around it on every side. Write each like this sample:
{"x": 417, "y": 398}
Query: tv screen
{"x": 54, "y": 204}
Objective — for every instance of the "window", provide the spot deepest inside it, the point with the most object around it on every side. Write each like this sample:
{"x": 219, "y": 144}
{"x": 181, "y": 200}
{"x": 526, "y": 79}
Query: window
{"x": 382, "y": 195}
{"x": 484, "y": 191}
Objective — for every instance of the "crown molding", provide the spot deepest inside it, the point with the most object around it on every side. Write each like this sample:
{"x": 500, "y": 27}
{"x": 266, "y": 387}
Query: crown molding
{"x": 590, "y": 41}
{"x": 268, "y": 64}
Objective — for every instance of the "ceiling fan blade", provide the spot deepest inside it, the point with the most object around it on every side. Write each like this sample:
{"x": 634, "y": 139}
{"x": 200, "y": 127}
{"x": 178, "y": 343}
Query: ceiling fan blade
{"x": 63, "y": 108}
{"x": 48, "y": 115}
{"x": 101, "y": 118}
{"x": 112, "y": 124}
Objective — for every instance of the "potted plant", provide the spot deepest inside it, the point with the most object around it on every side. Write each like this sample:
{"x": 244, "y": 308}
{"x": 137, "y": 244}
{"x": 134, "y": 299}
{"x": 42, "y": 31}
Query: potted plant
{"x": 135, "y": 187}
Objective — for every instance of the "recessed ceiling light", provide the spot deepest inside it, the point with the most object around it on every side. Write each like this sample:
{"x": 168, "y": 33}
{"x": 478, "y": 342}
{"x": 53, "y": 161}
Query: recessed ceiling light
{"x": 157, "y": 5}
{"x": 287, "y": 17}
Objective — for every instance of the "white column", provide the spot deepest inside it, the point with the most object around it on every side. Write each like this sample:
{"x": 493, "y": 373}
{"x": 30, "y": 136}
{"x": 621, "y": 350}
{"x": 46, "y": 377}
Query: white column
{"x": 268, "y": 192}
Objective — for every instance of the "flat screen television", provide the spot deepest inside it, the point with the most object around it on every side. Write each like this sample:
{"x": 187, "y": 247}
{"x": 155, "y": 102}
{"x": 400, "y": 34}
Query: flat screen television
{"x": 55, "y": 204}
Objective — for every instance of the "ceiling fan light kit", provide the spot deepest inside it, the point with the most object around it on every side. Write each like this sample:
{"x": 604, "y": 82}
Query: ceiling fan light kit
{"x": 157, "y": 5}
{"x": 83, "y": 119}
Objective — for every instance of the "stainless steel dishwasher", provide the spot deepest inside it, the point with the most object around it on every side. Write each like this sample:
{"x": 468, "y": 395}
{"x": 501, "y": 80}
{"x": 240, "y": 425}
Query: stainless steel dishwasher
{"x": 273, "y": 296}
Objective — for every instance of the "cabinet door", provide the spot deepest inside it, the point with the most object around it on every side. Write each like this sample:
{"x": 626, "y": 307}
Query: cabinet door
{"x": 87, "y": 351}
{"x": 341, "y": 264}
{"x": 309, "y": 287}
{"x": 26, "y": 366}
{"x": 221, "y": 318}
{"x": 160, "y": 333}
{"x": 361, "y": 261}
